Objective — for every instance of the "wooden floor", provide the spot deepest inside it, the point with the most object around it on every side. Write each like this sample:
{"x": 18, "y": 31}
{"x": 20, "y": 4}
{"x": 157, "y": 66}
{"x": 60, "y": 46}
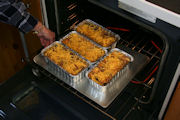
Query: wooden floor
{"x": 173, "y": 112}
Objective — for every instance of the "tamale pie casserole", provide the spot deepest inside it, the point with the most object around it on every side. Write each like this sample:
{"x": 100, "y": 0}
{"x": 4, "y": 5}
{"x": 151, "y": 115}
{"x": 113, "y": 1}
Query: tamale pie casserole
{"x": 83, "y": 46}
{"x": 96, "y": 33}
{"x": 106, "y": 69}
{"x": 66, "y": 59}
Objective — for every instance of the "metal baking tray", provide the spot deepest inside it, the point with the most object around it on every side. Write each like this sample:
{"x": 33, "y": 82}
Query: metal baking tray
{"x": 117, "y": 37}
{"x": 61, "y": 40}
{"x": 60, "y": 72}
{"x": 118, "y": 75}
{"x": 103, "y": 98}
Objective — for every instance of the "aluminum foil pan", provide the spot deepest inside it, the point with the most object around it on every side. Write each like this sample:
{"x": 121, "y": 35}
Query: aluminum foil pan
{"x": 106, "y": 96}
{"x": 61, "y": 41}
{"x": 110, "y": 86}
{"x": 60, "y": 72}
{"x": 117, "y": 37}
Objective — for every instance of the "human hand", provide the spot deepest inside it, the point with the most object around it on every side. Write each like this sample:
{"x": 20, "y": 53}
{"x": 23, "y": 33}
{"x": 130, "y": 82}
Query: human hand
{"x": 45, "y": 35}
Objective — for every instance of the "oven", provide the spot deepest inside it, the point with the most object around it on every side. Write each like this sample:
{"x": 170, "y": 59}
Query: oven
{"x": 43, "y": 96}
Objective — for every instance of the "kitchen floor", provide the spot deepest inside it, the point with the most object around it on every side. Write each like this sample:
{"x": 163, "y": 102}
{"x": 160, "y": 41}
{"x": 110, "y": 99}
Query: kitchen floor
{"x": 173, "y": 112}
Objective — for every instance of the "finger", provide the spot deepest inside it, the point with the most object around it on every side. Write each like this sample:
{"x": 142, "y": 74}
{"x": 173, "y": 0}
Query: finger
{"x": 43, "y": 43}
{"x": 47, "y": 42}
{"x": 51, "y": 41}
{"x": 40, "y": 35}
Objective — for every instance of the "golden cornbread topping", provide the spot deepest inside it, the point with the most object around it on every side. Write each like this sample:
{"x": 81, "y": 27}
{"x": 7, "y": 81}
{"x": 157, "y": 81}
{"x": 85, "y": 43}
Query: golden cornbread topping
{"x": 96, "y": 33}
{"x": 107, "y": 68}
{"x": 84, "y": 47}
{"x": 65, "y": 58}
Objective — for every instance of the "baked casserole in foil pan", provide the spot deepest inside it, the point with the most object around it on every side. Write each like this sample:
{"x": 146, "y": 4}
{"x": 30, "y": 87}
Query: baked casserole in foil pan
{"x": 65, "y": 63}
{"x": 86, "y": 48}
{"x": 97, "y": 33}
{"x": 109, "y": 69}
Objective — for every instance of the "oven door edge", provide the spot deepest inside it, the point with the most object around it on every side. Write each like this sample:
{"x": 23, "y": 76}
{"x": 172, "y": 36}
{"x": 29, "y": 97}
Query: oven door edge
{"x": 169, "y": 93}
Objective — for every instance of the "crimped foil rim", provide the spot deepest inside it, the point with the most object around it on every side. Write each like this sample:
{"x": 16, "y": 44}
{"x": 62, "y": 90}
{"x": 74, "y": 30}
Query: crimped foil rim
{"x": 109, "y": 31}
{"x": 96, "y": 85}
{"x": 42, "y": 53}
{"x": 105, "y": 51}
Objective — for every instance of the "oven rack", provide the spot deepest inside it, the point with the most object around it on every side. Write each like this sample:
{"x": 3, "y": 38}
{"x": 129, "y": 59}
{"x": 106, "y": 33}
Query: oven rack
{"x": 127, "y": 101}
{"x": 125, "y": 107}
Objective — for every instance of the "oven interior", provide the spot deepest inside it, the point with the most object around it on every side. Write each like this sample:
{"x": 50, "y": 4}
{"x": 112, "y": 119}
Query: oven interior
{"x": 131, "y": 102}
{"x": 133, "y": 99}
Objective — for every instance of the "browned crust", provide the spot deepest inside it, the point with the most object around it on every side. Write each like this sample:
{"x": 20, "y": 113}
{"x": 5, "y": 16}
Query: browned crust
{"x": 97, "y": 34}
{"x": 84, "y": 47}
{"x": 63, "y": 57}
{"x": 108, "y": 68}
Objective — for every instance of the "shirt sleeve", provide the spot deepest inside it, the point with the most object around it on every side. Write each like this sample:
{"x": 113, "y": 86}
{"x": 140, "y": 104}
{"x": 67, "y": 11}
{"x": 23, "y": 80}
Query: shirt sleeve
{"x": 14, "y": 12}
